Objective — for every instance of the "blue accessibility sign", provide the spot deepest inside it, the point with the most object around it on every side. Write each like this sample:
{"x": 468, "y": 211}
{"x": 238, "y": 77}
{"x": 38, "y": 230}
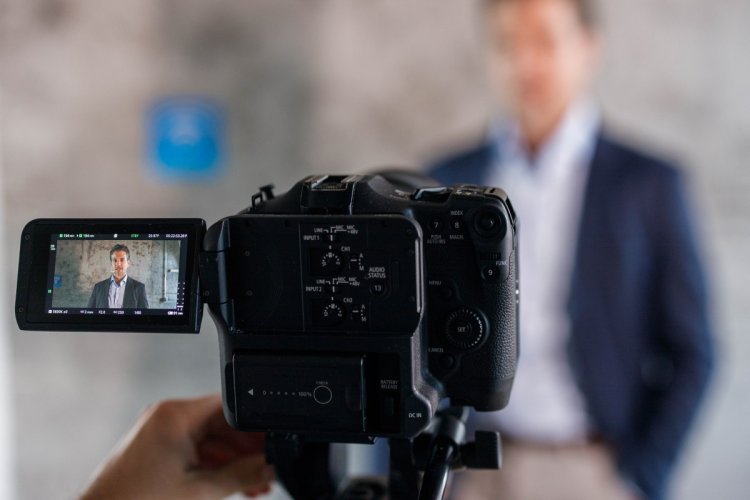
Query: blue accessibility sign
{"x": 186, "y": 138}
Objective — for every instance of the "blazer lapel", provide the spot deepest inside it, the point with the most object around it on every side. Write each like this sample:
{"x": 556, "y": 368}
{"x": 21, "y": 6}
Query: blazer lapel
{"x": 128, "y": 301}
{"x": 102, "y": 295}
{"x": 593, "y": 296}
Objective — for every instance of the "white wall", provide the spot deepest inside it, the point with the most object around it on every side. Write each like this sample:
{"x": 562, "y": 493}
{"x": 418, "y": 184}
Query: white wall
{"x": 7, "y": 450}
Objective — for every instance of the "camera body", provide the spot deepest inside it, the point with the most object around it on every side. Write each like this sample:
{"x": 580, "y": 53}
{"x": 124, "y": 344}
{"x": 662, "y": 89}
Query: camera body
{"x": 348, "y": 308}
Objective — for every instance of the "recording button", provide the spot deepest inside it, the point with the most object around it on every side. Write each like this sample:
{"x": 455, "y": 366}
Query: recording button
{"x": 322, "y": 395}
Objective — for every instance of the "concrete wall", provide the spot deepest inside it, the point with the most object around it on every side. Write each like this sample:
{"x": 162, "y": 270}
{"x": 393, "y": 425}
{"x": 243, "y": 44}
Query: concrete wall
{"x": 332, "y": 85}
{"x": 81, "y": 264}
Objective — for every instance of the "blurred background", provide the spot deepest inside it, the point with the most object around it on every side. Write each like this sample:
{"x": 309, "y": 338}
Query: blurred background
{"x": 303, "y": 87}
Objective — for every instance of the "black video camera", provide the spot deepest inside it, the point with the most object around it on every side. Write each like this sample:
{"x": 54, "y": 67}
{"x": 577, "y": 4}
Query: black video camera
{"x": 347, "y": 308}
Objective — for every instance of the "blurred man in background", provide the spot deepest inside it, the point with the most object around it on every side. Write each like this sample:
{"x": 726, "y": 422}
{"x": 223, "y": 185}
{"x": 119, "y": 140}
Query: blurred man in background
{"x": 616, "y": 348}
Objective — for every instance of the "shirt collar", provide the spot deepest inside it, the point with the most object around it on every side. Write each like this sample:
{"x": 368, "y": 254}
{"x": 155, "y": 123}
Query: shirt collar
{"x": 124, "y": 280}
{"x": 574, "y": 137}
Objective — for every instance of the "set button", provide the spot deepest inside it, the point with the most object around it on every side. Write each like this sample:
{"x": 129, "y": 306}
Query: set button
{"x": 464, "y": 328}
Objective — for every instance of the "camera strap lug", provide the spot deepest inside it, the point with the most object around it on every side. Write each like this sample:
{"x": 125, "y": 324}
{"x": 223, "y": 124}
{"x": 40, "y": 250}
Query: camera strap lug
{"x": 265, "y": 193}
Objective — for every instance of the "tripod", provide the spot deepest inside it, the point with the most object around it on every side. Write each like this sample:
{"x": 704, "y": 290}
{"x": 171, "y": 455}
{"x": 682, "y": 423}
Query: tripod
{"x": 303, "y": 466}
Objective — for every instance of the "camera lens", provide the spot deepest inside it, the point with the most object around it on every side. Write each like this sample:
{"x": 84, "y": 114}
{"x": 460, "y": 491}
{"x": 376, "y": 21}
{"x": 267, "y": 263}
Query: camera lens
{"x": 489, "y": 222}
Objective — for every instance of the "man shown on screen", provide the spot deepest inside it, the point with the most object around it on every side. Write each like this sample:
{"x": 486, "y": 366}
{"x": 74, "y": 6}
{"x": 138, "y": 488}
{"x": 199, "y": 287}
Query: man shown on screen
{"x": 118, "y": 291}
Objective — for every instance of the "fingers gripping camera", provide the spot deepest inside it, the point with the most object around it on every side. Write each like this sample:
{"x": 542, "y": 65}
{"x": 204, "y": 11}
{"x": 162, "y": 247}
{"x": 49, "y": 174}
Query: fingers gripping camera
{"x": 348, "y": 308}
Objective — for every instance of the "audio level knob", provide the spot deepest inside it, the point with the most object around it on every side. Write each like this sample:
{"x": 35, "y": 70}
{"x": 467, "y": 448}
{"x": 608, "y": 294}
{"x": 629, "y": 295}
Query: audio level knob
{"x": 333, "y": 313}
{"x": 331, "y": 262}
{"x": 464, "y": 328}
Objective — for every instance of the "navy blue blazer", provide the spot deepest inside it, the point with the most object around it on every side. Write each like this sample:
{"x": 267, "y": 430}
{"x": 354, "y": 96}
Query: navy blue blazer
{"x": 641, "y": 346}
{"x": 135, "y": 295}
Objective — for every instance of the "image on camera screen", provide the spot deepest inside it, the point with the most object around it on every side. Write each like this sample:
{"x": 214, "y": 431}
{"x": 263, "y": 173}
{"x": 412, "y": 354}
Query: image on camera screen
{"x": 117, "y": 274}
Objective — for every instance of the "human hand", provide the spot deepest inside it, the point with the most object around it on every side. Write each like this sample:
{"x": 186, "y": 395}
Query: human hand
{"x": 183, "y": 449}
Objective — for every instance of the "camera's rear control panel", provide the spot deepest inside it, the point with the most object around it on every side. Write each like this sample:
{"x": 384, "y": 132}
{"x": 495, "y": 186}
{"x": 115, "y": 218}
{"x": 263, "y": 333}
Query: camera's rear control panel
{"x": 324, "y": 274}
{"x": 355, "y": 271}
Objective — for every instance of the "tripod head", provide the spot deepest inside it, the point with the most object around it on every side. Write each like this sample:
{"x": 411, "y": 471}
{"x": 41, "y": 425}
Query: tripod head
{"x": 303, "y": 466}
